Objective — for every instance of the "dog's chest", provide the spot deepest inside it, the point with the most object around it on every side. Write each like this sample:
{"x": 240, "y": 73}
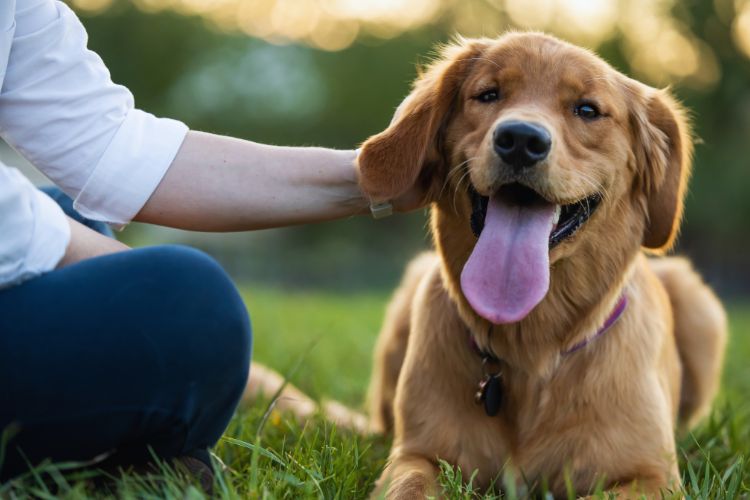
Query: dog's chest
{"x": 520, "y": 438}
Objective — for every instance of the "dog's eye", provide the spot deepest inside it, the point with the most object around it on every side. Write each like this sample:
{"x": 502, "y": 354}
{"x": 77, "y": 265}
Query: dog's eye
{"x": 587, "y": 111}
{"x": 490, "y": 95}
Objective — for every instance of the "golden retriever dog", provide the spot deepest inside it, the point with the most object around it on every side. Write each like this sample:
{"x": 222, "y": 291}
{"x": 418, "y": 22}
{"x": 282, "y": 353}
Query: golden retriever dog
{"x": 538, "y": 340}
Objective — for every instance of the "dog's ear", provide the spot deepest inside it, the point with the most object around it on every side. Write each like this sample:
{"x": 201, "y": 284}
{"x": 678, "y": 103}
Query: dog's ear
{"x": 390, "y": 162}
{"x": 664, "y": 149}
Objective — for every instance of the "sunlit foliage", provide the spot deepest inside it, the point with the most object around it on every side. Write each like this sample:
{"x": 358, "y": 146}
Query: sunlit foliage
{"x": 659, "y": 47}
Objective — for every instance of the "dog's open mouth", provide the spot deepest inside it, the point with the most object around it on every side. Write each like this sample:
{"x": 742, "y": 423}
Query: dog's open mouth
{"x": 507, "y": 274}
{"x": 568, "y": 218}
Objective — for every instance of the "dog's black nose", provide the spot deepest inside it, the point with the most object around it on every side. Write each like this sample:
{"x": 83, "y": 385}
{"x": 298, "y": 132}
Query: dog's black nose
{"x": 521, "y": 144}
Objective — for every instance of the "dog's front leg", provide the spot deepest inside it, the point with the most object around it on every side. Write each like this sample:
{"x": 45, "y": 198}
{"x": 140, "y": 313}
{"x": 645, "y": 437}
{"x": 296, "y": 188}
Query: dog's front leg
{"x": 407, "y": 477}
{"x": 643, "y": 488}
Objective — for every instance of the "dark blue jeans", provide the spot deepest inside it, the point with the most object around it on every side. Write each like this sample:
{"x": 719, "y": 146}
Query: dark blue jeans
{"x": 142, "y": 350}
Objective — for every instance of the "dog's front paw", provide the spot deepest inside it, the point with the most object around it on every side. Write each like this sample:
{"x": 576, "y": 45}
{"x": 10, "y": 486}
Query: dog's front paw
{"x": 412, "y": 478}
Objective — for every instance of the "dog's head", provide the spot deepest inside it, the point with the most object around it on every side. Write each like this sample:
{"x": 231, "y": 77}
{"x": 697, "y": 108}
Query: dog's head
{"x": 540, "y": 149}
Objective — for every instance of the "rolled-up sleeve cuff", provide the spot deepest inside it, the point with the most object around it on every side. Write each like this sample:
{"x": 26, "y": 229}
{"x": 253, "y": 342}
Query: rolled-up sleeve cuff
{"x": 131, "y": 168}
{"x": 50, "y": 238}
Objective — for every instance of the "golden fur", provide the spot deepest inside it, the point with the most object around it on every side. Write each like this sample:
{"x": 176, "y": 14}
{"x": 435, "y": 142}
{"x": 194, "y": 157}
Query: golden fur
{"x": 607, "y": 413}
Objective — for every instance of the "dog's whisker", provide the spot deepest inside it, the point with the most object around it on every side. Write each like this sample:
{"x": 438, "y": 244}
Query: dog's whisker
{"x": 460, "y": 180}
{"x": 453, "y": 172}
{"x": 454, "y": 169}
{"x": 593, "y": 184}
{"x": 458, "y": 187}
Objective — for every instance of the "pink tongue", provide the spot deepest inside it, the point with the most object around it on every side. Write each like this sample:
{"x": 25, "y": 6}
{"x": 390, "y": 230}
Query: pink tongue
{"x": 507, "y": 274}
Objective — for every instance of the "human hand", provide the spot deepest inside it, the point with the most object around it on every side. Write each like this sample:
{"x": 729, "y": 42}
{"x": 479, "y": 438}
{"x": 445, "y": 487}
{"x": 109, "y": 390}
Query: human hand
{"x": 86, "y": 243}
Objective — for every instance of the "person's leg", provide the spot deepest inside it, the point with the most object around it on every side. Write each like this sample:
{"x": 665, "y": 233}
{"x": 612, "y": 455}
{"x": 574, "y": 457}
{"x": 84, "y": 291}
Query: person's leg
{"x": 144, "y": 348}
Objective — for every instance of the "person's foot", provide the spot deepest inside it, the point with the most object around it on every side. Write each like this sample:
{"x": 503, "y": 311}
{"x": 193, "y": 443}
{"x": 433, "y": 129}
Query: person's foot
{"x": 186, "y": 465}
{"x": 197, "y": 469}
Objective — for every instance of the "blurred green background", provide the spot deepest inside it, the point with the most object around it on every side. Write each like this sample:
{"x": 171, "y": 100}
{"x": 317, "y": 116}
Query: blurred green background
{"x": 330, "y": 73}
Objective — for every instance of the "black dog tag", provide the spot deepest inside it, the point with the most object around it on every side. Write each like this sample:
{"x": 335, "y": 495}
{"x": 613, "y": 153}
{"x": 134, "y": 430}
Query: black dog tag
{"x": 493, "y": 396}
{"x": 490, "y": 393}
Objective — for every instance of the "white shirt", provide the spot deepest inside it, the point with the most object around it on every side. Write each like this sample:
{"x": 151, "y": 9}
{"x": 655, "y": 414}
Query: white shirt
{"x": 61, "y": 111}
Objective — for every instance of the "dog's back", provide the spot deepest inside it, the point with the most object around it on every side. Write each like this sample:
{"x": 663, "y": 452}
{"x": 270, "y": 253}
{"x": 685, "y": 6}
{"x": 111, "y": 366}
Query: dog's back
{"x": 700, "y": 329}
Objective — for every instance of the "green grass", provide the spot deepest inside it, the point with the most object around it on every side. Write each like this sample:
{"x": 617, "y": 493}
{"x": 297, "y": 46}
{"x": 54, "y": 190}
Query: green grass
{"x": 325, "y": 341}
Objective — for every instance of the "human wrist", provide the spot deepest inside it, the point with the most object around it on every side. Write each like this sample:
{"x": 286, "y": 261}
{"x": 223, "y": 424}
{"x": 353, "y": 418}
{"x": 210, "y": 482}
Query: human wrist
{"x": 377, "y": 209}
{"x": 357, "y": 201}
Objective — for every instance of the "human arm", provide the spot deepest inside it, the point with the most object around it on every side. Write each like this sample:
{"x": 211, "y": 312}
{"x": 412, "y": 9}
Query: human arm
{"x": 219, "y": 183}
{"x": 60, "y": 109}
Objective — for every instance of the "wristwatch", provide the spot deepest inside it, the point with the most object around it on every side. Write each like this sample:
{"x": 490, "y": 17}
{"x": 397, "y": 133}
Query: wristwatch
{"x": 381, "y": 210}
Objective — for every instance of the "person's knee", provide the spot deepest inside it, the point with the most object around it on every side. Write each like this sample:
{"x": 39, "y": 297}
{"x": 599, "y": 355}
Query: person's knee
{"x": 212, "y": 318}
{"x": 215, "y": 342}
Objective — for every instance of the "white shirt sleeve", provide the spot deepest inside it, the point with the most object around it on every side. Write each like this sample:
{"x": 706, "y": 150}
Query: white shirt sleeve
{"x": 34, "y": 232}
{"x": 61, "y": 111}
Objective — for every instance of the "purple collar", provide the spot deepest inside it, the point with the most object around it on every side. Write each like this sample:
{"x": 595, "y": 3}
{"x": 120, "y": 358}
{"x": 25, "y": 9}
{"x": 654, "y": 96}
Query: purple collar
{"x": 490, "y": 389}
{"x": 622, "y": 304}
{"x": 620, "y": 307}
